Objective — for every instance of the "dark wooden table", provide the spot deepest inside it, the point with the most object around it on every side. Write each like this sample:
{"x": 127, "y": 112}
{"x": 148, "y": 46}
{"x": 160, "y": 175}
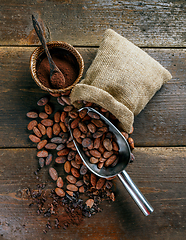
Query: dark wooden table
{"x": 159, "y": 28}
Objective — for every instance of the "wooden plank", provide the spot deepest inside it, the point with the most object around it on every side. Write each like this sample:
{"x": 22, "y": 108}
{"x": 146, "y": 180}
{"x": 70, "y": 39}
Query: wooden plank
{"x": 161, "y": 123}
{"x": 149, "y": 23}
{"x": 158, "y": 172}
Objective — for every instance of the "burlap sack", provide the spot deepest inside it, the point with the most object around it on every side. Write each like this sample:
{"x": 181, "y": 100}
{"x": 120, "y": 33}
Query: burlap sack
{"x": 122, "y": 79}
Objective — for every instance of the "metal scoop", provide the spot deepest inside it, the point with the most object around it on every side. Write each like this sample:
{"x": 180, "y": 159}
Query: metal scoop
{"x": 124, "y": 158}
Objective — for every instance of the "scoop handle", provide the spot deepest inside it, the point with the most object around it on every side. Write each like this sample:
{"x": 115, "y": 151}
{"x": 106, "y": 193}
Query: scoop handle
{"x": 135, "y": 193}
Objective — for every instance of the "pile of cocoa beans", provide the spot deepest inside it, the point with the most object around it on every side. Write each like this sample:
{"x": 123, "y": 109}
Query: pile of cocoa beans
{"x": 49, "y": 130}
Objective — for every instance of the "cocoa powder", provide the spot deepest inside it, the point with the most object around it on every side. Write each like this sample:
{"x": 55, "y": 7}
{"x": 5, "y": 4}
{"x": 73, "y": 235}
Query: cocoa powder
{"x": 65, "y": 62}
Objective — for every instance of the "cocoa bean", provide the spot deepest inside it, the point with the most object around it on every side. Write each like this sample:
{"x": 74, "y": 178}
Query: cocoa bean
{"x": 107, "y": 154}
{"x": 43, "y": 115}
{"x": 95, "y": 153}
{"x": 67, "y": 167}
{"x": 34, "y": 139}
{"x": 82, "y": 189}
{"x": 86, "y": 179}
{"x": 103, "y": 110}
{"x": 60, "y": 182}
{"x": 83, "y": 170}
{"x": 89, "y": 203}
{"x": 115, "y": 146}
{"x": 70, "y": 193}
{"x": 68, "y": 108}
{"x": 32, "y": 115}
{"x": 101, "y": 149}
{"x": 48, "y": 109}
{"x": 94, "y": 115}
{"x": 97, "y": 143}
{"x": 110, "y": 160}
{"x": 107, "y": 144}
{"x": 75, "y": 123}
{"x": 93, "y": 179}
{"x": 57, "y": 117}
{"x": 42, "y": 153}
{"x": 102, "y": 160}
{"x": 78, "y": 159}
{"x": 32, "y": 124}
{"x": 70, "y": 144}
{"x": 56, "y": 129}
{"x": 91, "y": 127}
{"x": 61, "y": 159}
{"x": 73, "y": 114}
{"x": 42, "y": 101}
{"x": 50, "y": 146}
{"x": 41, "y": 144}
{"x": 88, "y": 104}
{"x": 48, "y": 159}
{"x": 79, "y": 183}
{"x": 115, "y": 162}
{"x": 100, "y": 164}
{"x": 63, "y": 152}
{"x": 42, "y": 128}
{"x": 100, "y": 183}
{"x": 59, "y": 192}
{"x": 79, "y": 140}
{"x": 64, "y": 137}
{"x": 60, "y": 101}
{"x": 125, "y": 135}
{"x": 83, "y": 128}
{"x": 63, "y": 127}
{"x": 94, "y": 160}
{"x": 86, "y": 142}
{"x": 71, "y": 155}
{"x": 98, "y": 134}
{"x": 53, "y": 174}
{"x": 83, "y": 113}
{"x": 131, "y": 143}
{"x": 98, "y": 122}
{"x": 49, "y": 132}
{"x": 66, "y": 99}
{"x": 76, "y": 133}
{"x": 72, "y": 187}
{"x": 56, "y": 140}
{"x": 63, "y": 116}
{"x": 132, "y": 130}
{"x": 75, "y": 165}
{"x": 109, "y": 135}
{"x": 91, "y": 146}
{"x": 37, "y": 132}
{"x": 103, "y": 129}
{"x": 75, "y": 172}
{"x": 86, "y": 118}
{"x": 71, "y": 179}
{"x": 47, "y": 122}
{"x": 41, "y": 162}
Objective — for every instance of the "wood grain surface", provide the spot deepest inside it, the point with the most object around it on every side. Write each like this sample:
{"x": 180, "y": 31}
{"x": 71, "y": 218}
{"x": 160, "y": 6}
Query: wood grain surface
{"x": 161, "y": 123}
{"x": 158, "y": 172}
{"x": 159, "y": 28}
{"x": 146, "y": 23}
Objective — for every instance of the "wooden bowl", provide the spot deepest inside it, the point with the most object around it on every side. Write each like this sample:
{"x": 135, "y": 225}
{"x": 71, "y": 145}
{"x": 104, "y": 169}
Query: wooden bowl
{"x": 63, "y": 46}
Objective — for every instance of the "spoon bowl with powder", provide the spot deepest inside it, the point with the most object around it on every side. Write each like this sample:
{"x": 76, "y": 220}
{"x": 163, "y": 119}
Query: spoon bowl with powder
{"x": 57, "y": 79}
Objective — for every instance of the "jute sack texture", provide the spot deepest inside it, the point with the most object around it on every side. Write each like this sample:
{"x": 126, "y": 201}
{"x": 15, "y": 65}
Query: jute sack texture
{"x": 122, "y": 79}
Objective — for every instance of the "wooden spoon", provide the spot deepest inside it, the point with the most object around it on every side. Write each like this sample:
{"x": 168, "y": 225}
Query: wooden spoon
{"x": 57, "y": 78}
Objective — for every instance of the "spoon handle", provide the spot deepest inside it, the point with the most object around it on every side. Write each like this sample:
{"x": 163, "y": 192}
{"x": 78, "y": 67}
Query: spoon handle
{"x": 40, "y": 34}
{"x": 135, "y": 193}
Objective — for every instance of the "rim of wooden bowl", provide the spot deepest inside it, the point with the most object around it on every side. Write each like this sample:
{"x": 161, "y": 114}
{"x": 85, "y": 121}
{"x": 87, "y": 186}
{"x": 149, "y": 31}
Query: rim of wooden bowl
{"x": 55, "y": 44}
